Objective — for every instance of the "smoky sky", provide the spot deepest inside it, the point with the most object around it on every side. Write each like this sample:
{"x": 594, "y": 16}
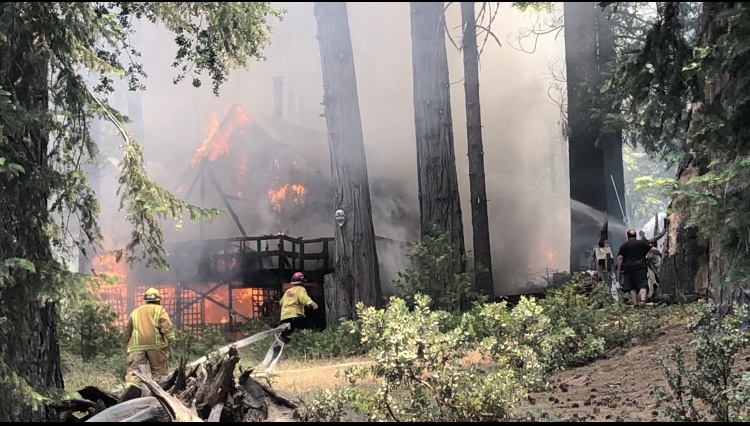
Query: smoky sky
{"x": 529, "y": 225}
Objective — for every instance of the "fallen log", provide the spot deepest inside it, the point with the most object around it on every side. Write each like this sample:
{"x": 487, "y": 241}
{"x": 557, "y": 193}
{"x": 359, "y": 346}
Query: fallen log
{"x": 207, "y": 392}
{"x": 142, "y": 409}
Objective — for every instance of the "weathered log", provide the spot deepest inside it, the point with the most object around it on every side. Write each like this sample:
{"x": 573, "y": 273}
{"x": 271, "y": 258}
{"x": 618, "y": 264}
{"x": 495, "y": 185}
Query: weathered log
{"x": 215, "y": 415}
{"x": 127, "y": 409}
{"x": 180, "y": 382}
{"x": 210, "y": 390}
{"x": 176, "y": 410}
{"x": 218, "y": 383}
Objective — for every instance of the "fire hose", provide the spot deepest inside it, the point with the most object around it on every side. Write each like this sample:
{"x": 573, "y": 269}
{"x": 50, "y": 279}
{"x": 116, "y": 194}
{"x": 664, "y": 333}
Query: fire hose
{"x": 246, "y": 342}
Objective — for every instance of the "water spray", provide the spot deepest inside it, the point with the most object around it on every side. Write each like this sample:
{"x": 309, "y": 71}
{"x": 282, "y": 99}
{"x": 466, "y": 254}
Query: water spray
{"x": 622, "y": 210}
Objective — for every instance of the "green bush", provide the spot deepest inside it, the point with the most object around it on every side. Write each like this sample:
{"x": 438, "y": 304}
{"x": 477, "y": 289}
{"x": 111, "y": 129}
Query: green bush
{"x": 420, "y": 355}
{"x": 337, "y": 341}
{"x": 713, "y": 380}
{"x": 191, "y": 346}
{"x": 87, "y": 327}
{"x": 588, "y": 324}
{"x": 421, "y": 374}
{"x": 431, "y": 258}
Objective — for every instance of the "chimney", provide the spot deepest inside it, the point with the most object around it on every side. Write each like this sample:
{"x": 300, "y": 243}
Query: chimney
{"x": 291, "y": 103}
{"x": 278, "y": 96}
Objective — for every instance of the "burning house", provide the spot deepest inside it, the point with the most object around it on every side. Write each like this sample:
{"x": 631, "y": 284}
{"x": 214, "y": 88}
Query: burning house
{"x": 273, "y": 179}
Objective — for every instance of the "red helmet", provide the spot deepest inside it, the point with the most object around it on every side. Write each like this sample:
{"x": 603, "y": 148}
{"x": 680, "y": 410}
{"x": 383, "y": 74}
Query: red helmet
{"x": 298, "y": 277}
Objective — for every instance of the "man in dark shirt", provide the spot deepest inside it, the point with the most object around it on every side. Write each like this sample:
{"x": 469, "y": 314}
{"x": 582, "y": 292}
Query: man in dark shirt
{"x": 632, "y": 267}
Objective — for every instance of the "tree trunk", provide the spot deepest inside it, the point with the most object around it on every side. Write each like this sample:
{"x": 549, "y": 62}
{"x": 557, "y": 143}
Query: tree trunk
{"x": 477, "y": 184}
{"x": 439, "y": 202}
{"x": 28, "y": 345}
{"x": 685, "y": 266}
{"x": 586, "y": 162}
{"x": 611, "y": 140}
{"x": 693, "y": 264}
{"x": 356, "y": 270}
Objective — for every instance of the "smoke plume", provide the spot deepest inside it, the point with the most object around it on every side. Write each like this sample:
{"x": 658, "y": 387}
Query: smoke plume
{"x": 524, "y": 151}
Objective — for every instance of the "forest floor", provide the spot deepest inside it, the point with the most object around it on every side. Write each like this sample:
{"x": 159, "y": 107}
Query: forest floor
{"x": 614, "y": 388}
{"x": 618, "y": 387}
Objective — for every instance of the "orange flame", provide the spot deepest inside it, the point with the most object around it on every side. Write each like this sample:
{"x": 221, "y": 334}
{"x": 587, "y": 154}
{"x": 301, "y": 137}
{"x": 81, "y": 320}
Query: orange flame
{"x": 112, "y": 289}
{"x": 550, "y": 254}
{"x": 281, "y": 194}
{"x": 216, "y": 142}
{"x": 114, "y": 292}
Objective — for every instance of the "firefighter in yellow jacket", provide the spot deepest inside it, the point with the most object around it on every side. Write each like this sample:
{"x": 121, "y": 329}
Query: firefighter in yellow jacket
{"x": 149, "y": 333}
{"x": 293, "y": 305}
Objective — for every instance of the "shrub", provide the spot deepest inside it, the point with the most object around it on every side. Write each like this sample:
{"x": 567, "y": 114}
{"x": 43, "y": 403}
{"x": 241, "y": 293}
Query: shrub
{"x": 418, "y": 364}
{"x": 337, "y": 341}
{"x": 431, "y": 258}
{"x": 87, "y": 326}
{"x": 713, "y": 381}
{"x": 191, "y": 346}
{"x": 421, "y": 354}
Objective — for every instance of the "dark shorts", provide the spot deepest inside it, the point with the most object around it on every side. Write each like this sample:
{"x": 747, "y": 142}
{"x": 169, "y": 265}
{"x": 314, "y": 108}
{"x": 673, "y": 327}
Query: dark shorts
{"x": 296, "y": 323}
{"x": 634, "y": 281}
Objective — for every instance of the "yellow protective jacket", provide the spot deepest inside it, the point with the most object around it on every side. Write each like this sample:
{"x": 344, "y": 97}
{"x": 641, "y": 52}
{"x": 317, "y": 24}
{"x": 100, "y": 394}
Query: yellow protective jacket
{"x": 293, "y": 303}
{"x": 149, "y": 328}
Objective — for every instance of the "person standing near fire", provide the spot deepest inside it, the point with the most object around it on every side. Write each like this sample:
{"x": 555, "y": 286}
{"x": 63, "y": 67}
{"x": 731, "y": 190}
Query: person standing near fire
{"x": 632, "y": 267}
{"x": 149, "y": 335}
{"x": 293, "y": 304}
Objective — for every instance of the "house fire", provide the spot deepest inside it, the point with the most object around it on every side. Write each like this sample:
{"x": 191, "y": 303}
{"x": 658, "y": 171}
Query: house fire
{"x": 272, "y": 178}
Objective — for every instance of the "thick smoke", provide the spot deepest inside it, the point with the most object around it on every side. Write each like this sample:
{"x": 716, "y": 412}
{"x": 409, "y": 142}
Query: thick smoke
{"x": 522, "y": 137}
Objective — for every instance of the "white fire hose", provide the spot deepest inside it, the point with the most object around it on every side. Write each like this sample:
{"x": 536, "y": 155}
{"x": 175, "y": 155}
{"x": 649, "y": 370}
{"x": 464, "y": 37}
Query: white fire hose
{"x": 241, "y": 344}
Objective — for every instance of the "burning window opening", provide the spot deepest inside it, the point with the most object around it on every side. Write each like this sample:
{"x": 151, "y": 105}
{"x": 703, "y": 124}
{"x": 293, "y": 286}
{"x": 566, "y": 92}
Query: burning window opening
{"x": 293, "y": 192}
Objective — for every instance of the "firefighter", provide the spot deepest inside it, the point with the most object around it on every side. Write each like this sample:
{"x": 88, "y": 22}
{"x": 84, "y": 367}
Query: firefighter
{"x": 293, "y": 304}
{"x": 149, "y": 334}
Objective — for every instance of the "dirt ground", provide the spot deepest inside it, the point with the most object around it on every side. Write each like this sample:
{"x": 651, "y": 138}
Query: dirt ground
{"x": 617, "y": 388}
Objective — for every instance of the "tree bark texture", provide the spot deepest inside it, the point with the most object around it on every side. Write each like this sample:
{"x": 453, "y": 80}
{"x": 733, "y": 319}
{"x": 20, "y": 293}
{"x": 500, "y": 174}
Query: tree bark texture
{"x": 477, "y": 183}
{"x": 356, "y": 270}
{"x": 28, "y": 328}
{"x": 439, "y": 202}
{"x": 693, "y": 264}
{"x": 585, "y": 159}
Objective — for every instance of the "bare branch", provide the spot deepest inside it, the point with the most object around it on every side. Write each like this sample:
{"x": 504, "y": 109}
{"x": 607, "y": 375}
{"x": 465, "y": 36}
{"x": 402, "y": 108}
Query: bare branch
{"x": 539, "y": 27}
{"x": 490, "y": 34}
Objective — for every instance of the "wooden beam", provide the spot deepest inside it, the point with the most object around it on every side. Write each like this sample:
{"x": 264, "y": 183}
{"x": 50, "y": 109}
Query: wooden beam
{"x": 226, "y": 201}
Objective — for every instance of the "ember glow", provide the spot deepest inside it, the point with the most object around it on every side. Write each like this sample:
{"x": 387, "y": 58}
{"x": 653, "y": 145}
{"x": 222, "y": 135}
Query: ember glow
{"x": 550, "y": 254}
{"x": 293, "y": 192}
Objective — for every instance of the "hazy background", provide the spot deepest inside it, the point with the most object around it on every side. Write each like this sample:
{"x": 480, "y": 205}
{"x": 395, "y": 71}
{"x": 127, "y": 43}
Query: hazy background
{"x": 529, "y": 224}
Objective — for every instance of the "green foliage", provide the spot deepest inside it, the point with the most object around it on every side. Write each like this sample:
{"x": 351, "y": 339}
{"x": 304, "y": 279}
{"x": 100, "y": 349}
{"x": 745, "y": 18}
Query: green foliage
{"x": 431, "y": 258}
{"x": 46, "y": 108}
{"x": 87, "y": 328}
{"x": 426, "y": 366}
{"x": 684, "y": 96}
{"x": 537, "y": 7}
{"x": 422, "y": 378}
{"x": 342, "y": 340}
{"x": 191, "y": 346}
{"x": 713, "y": 380}
{"x": 648, "y": 183}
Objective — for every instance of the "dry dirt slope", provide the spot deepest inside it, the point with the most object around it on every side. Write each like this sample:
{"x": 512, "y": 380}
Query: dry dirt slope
{"x": 616, "y": 388}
